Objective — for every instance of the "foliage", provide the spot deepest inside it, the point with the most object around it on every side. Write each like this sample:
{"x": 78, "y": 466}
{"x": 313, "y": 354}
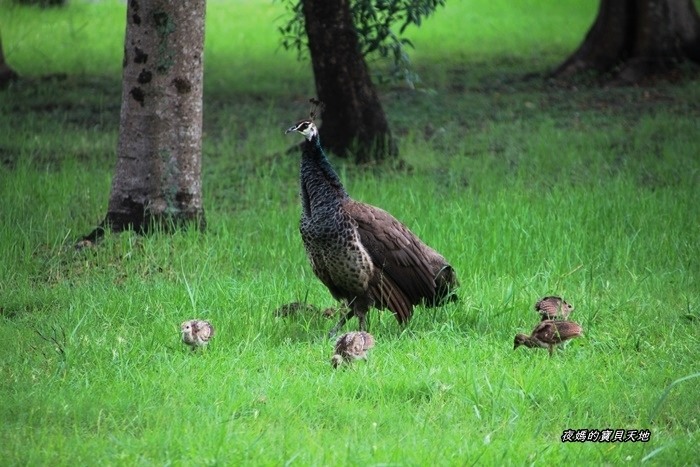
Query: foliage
{"x": 376, "y": 22}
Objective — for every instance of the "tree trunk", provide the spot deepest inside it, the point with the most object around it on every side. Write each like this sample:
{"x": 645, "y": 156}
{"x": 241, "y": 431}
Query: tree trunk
{"x": 634, "y": 39}
{"x": 157, "y": 180}
{"x": 354, "y": 123}
{"x": 7, "y": 74}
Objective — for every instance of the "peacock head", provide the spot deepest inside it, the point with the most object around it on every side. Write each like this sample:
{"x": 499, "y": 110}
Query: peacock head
{"x": 306, "y": 128}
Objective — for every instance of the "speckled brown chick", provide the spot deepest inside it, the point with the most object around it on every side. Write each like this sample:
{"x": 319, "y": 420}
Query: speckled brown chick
{"x": 553, "y": 307}
{"x": 363, "y": 255}
{"x": 549, "y": 333}
{"x": 196, "y": 333}
{"x": 351, "y": 346}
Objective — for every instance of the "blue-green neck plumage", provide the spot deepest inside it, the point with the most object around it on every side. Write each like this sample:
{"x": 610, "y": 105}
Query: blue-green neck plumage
{"x": 320, "y": 186}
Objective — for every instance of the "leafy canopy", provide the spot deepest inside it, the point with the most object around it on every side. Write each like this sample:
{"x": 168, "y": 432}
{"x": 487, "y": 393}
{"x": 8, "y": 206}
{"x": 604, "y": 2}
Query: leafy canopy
{"x": 376, "y": 22}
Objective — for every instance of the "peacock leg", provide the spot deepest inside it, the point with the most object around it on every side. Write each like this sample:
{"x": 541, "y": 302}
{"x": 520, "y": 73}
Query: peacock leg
{"x": 363, "y": 321}
{"x": 343, "y": 319}
{"x": 361, "y": 308}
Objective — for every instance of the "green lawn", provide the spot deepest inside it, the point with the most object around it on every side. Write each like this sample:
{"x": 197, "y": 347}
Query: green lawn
{"x": 528, "y": 189}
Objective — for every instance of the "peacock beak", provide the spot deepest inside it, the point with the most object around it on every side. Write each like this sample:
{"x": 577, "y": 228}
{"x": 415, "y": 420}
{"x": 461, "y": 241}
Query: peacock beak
{"x": 290, "y": 129}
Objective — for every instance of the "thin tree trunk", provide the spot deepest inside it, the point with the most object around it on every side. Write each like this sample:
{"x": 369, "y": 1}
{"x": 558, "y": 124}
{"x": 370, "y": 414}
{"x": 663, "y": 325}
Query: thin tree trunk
{"x": 7, "y": 74}
{"x": 354, "y": 123}
{"x": 633, "y": 39}
{"x": 157, "y": 179}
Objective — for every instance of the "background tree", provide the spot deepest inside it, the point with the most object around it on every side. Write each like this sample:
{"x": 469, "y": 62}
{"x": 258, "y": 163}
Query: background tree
{"x": 636, "y": 38}
{"x": 353, "y": 117}
{"x": 7, "y": 74}
{"x": 43, "y": 3}
{"x": 157, "y": 179}
{"x": 339, "y": 35}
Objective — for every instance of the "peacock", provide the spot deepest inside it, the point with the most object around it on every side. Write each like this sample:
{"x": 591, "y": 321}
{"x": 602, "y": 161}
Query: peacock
{"x": 549, "y": 333}
{"x": 362, "y": 254}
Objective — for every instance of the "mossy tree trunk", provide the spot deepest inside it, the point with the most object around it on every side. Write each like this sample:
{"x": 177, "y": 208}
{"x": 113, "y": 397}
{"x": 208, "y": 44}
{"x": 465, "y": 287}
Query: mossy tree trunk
{"x": 634, "y": 39}
{"x": 354, "y": 123}
{"x": 157, "y": 180}
{"x": 7, "y": 74}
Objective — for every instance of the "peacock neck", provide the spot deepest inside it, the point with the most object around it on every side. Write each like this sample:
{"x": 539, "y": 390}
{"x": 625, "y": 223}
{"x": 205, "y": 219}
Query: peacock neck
{"x": 320, "y": 185}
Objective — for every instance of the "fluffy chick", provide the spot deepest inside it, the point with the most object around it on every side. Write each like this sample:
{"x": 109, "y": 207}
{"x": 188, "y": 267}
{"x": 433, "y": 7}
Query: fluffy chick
{"x": 351, "y": 346}
{"x": 549, "y": 333}
{"x": 553, "y": 307}
{"x": 196, "y": 333}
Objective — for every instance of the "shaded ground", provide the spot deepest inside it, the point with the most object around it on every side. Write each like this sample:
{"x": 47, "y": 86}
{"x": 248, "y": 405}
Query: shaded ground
{"x": 86, "y": 107}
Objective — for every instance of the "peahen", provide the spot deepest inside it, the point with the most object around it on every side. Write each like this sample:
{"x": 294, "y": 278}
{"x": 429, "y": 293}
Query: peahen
{"x": 361, "y": 253}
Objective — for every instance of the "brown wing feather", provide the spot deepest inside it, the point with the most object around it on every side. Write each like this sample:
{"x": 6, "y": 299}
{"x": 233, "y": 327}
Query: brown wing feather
{"x": 406, "y": 262}
{"x": 554, "y": 332}
{"x": 545, "y": 331}
{"x": 389, "y": 295}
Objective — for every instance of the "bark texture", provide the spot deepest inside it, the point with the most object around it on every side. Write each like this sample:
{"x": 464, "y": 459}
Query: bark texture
{"x": 633, "y": 39}
{"x": 157, "y": 181}
{"x": 354, "y": 123}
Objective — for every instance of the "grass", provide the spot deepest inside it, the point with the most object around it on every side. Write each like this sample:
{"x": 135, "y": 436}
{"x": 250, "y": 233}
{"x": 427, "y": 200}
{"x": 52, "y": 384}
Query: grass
{"x": 527, "y": 189}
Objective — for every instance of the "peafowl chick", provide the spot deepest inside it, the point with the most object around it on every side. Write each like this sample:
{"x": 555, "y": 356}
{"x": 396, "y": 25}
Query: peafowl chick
{"x": 351, "y": 346}
{"x": 553, "y": 307}
{"x": 362, "y": 254}
{"x": 196, "y": 333}
{"x": 549, "y": 333}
